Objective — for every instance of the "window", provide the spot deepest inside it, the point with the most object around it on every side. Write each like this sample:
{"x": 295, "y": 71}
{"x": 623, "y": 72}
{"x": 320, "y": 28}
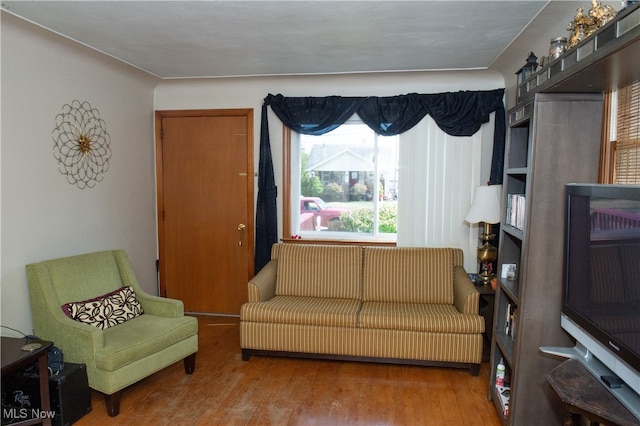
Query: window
{"x": 344, "y": 184}
{"x": 627, "y": 151}
{"x": 620, "y": 156}
{"x": 428, "y": 193}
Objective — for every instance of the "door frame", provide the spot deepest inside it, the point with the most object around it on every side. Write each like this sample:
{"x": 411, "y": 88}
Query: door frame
{"x": 161, "y": 114}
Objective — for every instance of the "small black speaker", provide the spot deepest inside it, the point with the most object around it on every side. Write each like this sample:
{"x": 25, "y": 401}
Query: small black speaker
{"x": 69, "y": 395}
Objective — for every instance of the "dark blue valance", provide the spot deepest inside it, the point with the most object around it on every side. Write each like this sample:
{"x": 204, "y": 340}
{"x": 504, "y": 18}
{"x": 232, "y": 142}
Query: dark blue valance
{"x": 455, "y": 113}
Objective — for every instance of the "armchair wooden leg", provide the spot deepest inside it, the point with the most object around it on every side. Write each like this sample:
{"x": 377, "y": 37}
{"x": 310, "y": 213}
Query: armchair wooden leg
{"x": 113, "y": 403}
{"x": 190, "y": 364}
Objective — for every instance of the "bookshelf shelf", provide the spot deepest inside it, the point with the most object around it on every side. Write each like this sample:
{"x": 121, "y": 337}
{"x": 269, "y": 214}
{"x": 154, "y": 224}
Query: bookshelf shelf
{"x": 552, "y": 140}
{"x": 510, "y": 287}
{"x": 518, "y": 171}
{"x": 513, "y": 231}
{"x": 505, "y": 344}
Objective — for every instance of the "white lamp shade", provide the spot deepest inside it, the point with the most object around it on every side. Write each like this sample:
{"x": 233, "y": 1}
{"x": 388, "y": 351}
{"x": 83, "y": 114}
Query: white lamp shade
{"x": 486, "y": 205}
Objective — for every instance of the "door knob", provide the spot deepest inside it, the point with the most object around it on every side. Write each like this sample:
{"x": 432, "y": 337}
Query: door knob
{"x": 241, "y": 227}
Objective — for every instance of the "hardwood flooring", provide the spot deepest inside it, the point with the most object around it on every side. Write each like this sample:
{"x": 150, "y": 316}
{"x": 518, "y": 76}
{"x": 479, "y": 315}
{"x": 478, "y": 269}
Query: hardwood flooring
{"x": 224, "y": 390}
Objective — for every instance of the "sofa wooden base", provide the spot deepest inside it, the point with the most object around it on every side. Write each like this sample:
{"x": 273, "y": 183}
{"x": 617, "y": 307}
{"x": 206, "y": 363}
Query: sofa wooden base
{"x": 474, "y": 369}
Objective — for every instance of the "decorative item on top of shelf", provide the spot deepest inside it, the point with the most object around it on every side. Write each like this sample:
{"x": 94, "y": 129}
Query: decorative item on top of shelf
{"x": 557, "y": 46}
{"x": 486, "y": 209}
{"x": 81, "y": 144}
{"x": 583, "y": 25}
{"x": 527, "y": 69}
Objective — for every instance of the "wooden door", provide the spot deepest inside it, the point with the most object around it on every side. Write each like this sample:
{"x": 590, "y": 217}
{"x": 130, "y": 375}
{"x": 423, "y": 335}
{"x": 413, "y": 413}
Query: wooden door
{"x": 205, "y": 207}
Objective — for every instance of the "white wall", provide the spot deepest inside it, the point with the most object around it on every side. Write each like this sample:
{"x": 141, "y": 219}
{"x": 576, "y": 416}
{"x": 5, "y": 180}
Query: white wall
{"x": 250, "y": 92}
{"x": 43, "y": 216}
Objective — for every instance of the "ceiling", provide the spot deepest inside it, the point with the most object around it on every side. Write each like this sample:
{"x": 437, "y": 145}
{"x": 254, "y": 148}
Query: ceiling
{"x": 190, "y": 39}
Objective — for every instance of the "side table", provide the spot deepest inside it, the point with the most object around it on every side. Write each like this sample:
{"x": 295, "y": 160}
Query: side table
{"x": 14, "y": 358}
{"x": 487, "y": 298}
{"x": 583, "y": 395}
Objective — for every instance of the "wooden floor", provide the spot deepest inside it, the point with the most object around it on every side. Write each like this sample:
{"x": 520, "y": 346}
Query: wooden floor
{"x": 224, "y": 390}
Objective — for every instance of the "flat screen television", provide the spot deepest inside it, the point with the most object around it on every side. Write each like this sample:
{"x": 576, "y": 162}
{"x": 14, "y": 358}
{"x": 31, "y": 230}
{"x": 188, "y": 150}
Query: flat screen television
{"x": 601, "y": 304}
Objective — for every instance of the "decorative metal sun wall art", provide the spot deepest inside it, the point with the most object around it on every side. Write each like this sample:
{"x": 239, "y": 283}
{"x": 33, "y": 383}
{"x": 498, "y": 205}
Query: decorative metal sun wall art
{"x": 81, "y": 144}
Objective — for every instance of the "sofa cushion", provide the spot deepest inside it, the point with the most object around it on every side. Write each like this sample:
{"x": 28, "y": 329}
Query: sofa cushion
{"x": 319, "y": 271}
{"x": 141, "y": 337}
{"x": 435, "y": 318}
{"x": 303, "y": 310}
{"x": 408, "y": 274}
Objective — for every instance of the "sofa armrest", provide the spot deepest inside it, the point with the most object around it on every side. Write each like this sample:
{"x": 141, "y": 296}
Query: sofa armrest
{"x": 262, "y": 287}
{"x": 79, "y": 339}
{"x": 465, "y": 294}
{"x": 160, "y": 306}
{"x": 51, "y": 323}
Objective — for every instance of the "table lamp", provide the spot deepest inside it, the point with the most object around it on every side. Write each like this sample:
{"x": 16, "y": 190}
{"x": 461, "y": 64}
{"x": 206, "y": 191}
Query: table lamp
{"x": 486, "y": 209}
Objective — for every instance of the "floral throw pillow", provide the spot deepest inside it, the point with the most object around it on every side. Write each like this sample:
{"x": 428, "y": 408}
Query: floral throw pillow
{"x": 106, "y": 311}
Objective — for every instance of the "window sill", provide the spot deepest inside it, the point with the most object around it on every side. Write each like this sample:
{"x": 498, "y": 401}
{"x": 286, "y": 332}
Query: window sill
{"x": 339, "y": 242}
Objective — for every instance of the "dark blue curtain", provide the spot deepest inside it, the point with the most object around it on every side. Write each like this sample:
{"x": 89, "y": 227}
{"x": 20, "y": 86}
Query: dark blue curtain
{"x": 456, "y": 113}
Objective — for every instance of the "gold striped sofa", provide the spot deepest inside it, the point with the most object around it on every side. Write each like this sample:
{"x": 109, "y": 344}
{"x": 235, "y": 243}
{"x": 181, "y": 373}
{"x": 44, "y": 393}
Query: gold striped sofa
{"x": 382, "y": 304}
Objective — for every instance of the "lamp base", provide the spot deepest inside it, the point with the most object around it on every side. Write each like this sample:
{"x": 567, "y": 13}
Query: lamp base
{"x": 485, "y": 278}
{"x": 486, "y": 254}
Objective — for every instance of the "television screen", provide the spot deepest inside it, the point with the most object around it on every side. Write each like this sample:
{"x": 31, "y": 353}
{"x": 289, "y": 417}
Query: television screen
{"x": 601, "y": 306}
{"x": 603, "y": 266}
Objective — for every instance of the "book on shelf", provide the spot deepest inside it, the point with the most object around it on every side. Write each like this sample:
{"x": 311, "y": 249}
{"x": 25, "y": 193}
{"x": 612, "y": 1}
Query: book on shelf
{"x": 511, "y": 314}
{"x": 514, "y": 321}
{"x": 515, "y": 211}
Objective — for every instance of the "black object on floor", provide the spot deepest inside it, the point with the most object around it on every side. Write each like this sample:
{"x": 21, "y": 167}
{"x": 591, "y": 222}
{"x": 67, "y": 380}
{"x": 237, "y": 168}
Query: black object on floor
{"x": 69, "y": 395}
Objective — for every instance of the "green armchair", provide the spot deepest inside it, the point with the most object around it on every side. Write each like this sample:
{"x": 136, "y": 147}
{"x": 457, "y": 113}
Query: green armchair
{"x": 120, "y": 355}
